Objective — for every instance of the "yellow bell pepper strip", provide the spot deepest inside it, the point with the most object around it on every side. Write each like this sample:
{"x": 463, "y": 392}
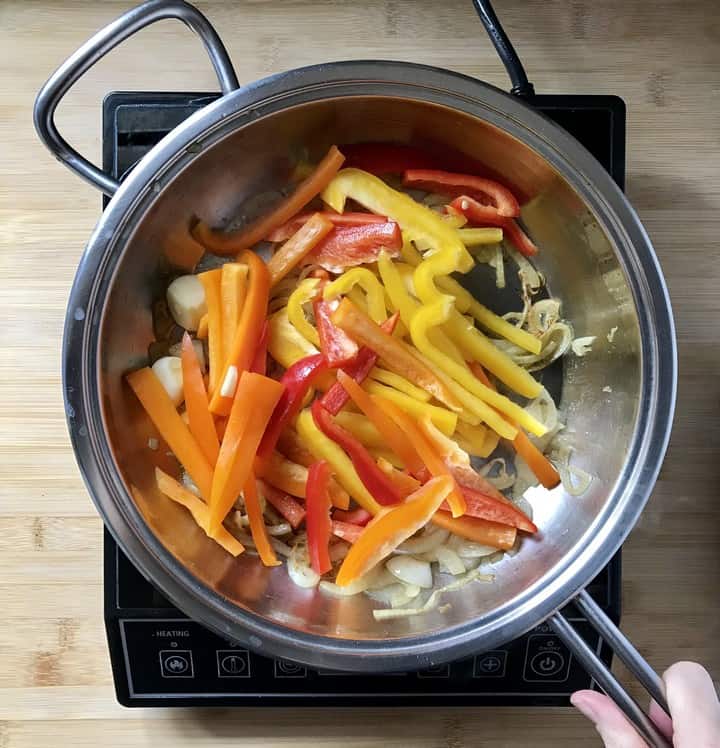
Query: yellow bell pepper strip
{"x": 416, "y": 221}
{"x": 370, "y": 285}
{"x": 317, "y": 521}
{"x": 306, "y": 291}
{"x": 474, "y": 237}
{"x": 389, "y": 431}
{"x": 257, "y": 523}
{"x": 473, "y": 439}
{"x": 300, "y": 244}
{"x": 247, "y": 334}
{"x": 285, "y": 344}
{"x": 478, "y": 530}
{"x": 255, "y": 400}
{"x": 428, "y": 454}
{"x": 233, "y": 286}
{"x": 384, "y": 534}
{"x": 199, "y": 510}
{"x": 361, "y": 428}
{"x": 211, "y": 281}
{"x": 444, "y": 419}
{"x": 439, "y": 312}
{"x": 391, "y": 379}
{"x": 377, "y": 483}
{"x": 202, "y": 331}
{"x": 172, "y": 428}
{"x": 360, "y": 327}
{"x": 226, "y": 243}
{"x": 323, "y": 448}
{"x": 200, "y": 420}
{"x": 465, "y": 302}
{"x": 284, "y": 504}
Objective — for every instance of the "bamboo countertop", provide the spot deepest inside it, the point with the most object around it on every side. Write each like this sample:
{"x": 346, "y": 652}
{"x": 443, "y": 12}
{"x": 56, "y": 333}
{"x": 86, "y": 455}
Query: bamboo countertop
{"x": 662, "y": 58}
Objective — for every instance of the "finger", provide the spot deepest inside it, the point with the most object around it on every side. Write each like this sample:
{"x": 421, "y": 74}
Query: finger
{"x": 693, "y": 704}
{"x": 658, "y": 716}
{"x": 614, "y": 728}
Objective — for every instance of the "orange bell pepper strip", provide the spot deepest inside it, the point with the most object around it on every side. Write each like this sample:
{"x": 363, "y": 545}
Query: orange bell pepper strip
{"x": 300, "y": 244}
{"x": 362, "y": 329}
{"x": 257, "y": 524}
{"x": 537, "y": 462}
{"x": 291, "y": 446}
{"x": 255, "y": 400}
{"x": 478, "y": 530}
{"x": 202, "y": 425}
{"x": 211, "y": 281}
{"x": 404, "y": 482}
{"x": 430, "y": 458}
{"x": 393, "y": 435}
{"x": 202, "y": 331}
{"x": 247, "y": 334}
{"x": 285, "y": 505}
{"x": 199, "y": 510}
{"x": 391, "y": 527}
{"x": 229, "y": 242}
{"x": 172, "y": 428}
{"x": 233, "y": 287}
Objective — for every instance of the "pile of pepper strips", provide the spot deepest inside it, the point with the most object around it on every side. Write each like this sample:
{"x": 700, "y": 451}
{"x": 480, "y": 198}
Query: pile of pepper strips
{"x": 241, "y": 425}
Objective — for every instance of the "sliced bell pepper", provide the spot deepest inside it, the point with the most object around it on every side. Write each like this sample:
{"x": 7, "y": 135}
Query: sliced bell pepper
{"x": 478, "y": 530}
{"x": 382, "y": 536}
{"x": 324, "y": 448}
{"x": 285, "y": 231}
{"x": 229, "y": 242}
{"x": 283, "y": 503}
{"x": 362, "y": 329}
{"x": 391, "y": 379}
{"x": 356, "y": 245}
{"x": 305, "y": 291}
{"x": 259, "y": 362}
{"x": 404, "y": 482}
{"x": 361, "y": 428}
{"x": 200, "y": 420}
{"x": 257, "y": 523}
{"x": 495, "y": 198}
{"x": 317, "y": 520}
{"x": 285, "y": 344}
{"x": 211, "y": 281}
{"x": 482, "y": 506}
{"x": 172, "y": 428}
{"x": 336, "y": 345}
{"x": 348, "y": 531}
{"x": 370, "y": 285}
{"x": 476, "y": 237}
{"x": 477, "y": 213}
{"x": 255, "y": 400}
{"x": 291, "y": 446}
{"x": 426, "y": 451}
{"x": 377, "y": 483}
{"x": 202, "y": 331}
{"x": 388, "y": 158}
{"x": 474, "y": 439}
{"x": 299, "y": 245}
{"x": 199, "y": 510}
{"x": 297, "y": 380}
{"x": 393, "y": 435}
{"x": 247, "y": 334}
{"x": 233, "y": 287}
{"x": 358, "y": 517}
{"x": 335, "y": 398}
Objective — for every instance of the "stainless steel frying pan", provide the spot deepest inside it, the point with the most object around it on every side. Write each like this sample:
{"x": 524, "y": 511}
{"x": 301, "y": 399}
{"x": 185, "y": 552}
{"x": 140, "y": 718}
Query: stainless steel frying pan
{"x": 597, "y": 259}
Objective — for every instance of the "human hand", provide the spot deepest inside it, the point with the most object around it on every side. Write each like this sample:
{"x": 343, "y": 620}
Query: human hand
{"x": 694, "y": 711}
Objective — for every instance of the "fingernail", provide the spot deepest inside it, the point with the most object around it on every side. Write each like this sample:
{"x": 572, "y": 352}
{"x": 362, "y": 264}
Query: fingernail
{"x": 584, "y": 706}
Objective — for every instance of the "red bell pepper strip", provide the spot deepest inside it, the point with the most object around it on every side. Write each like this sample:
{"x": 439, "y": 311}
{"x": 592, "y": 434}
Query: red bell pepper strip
{"x": 388, "y": 158}
{"x": 346, "y": 530}
{"x": 259, "y": 363}
{"x": 348, "y": 246}
{"x": 285, "y": 231}
{"x": 336, "y": 397}
{"x": 297, "y": 381}
{"x": 317, "y": 520}
{"x": 336, "y": 345}
{"x": 482, "y": 506}
{"x": 293, "y": 511}
{"x": 377, "y": 483}
{"x": 358, "y": 517}
{"x": 490, "y": 194}
{"x": 484, "y": 215}
{"x": 478, "y": 530}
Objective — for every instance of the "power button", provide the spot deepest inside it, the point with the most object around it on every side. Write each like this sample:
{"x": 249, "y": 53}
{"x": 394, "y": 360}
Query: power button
{"x": 546, "y": 660}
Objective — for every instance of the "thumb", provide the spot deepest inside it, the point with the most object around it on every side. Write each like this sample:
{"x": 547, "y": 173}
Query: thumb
{"x": 614, "y": 728}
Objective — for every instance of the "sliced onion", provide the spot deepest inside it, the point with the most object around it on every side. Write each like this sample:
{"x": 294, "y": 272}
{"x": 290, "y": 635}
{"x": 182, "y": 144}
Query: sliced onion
{"x": 498, "y": 262}
{"x": 530, "y": 279}
{"x": 386, "y": 595}
{"x": 468, "y": 549}
{"x": 582, "y": 346}
{"x": 411, "y": 570}
{"x": 449, "y": 561}
{"x": 428, "y": 539}
{"x": 299, "y": 569}
{"x": 409, "y": 592}
{"x": 355, "y": 587}
{"x": 189, "y": 483}
{"x": 283, "y": 528}
{"x": 497, "y": 473}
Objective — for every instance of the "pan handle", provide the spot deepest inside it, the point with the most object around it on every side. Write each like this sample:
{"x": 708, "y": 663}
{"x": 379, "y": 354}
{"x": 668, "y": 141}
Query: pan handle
{"x": 95, "y": 49}
{"x": 602, "y": 675}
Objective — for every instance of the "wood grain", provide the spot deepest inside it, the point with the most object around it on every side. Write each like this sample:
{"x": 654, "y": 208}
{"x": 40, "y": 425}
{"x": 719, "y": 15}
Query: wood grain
{"x": 662, "y": 58}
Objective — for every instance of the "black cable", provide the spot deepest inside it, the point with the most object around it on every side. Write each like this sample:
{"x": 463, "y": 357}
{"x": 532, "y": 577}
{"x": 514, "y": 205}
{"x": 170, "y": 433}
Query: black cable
{"x": 521, "y": 86}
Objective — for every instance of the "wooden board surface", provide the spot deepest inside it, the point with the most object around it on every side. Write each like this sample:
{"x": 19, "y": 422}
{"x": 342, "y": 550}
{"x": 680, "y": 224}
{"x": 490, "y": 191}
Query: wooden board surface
{"x": 662, "y": 58}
